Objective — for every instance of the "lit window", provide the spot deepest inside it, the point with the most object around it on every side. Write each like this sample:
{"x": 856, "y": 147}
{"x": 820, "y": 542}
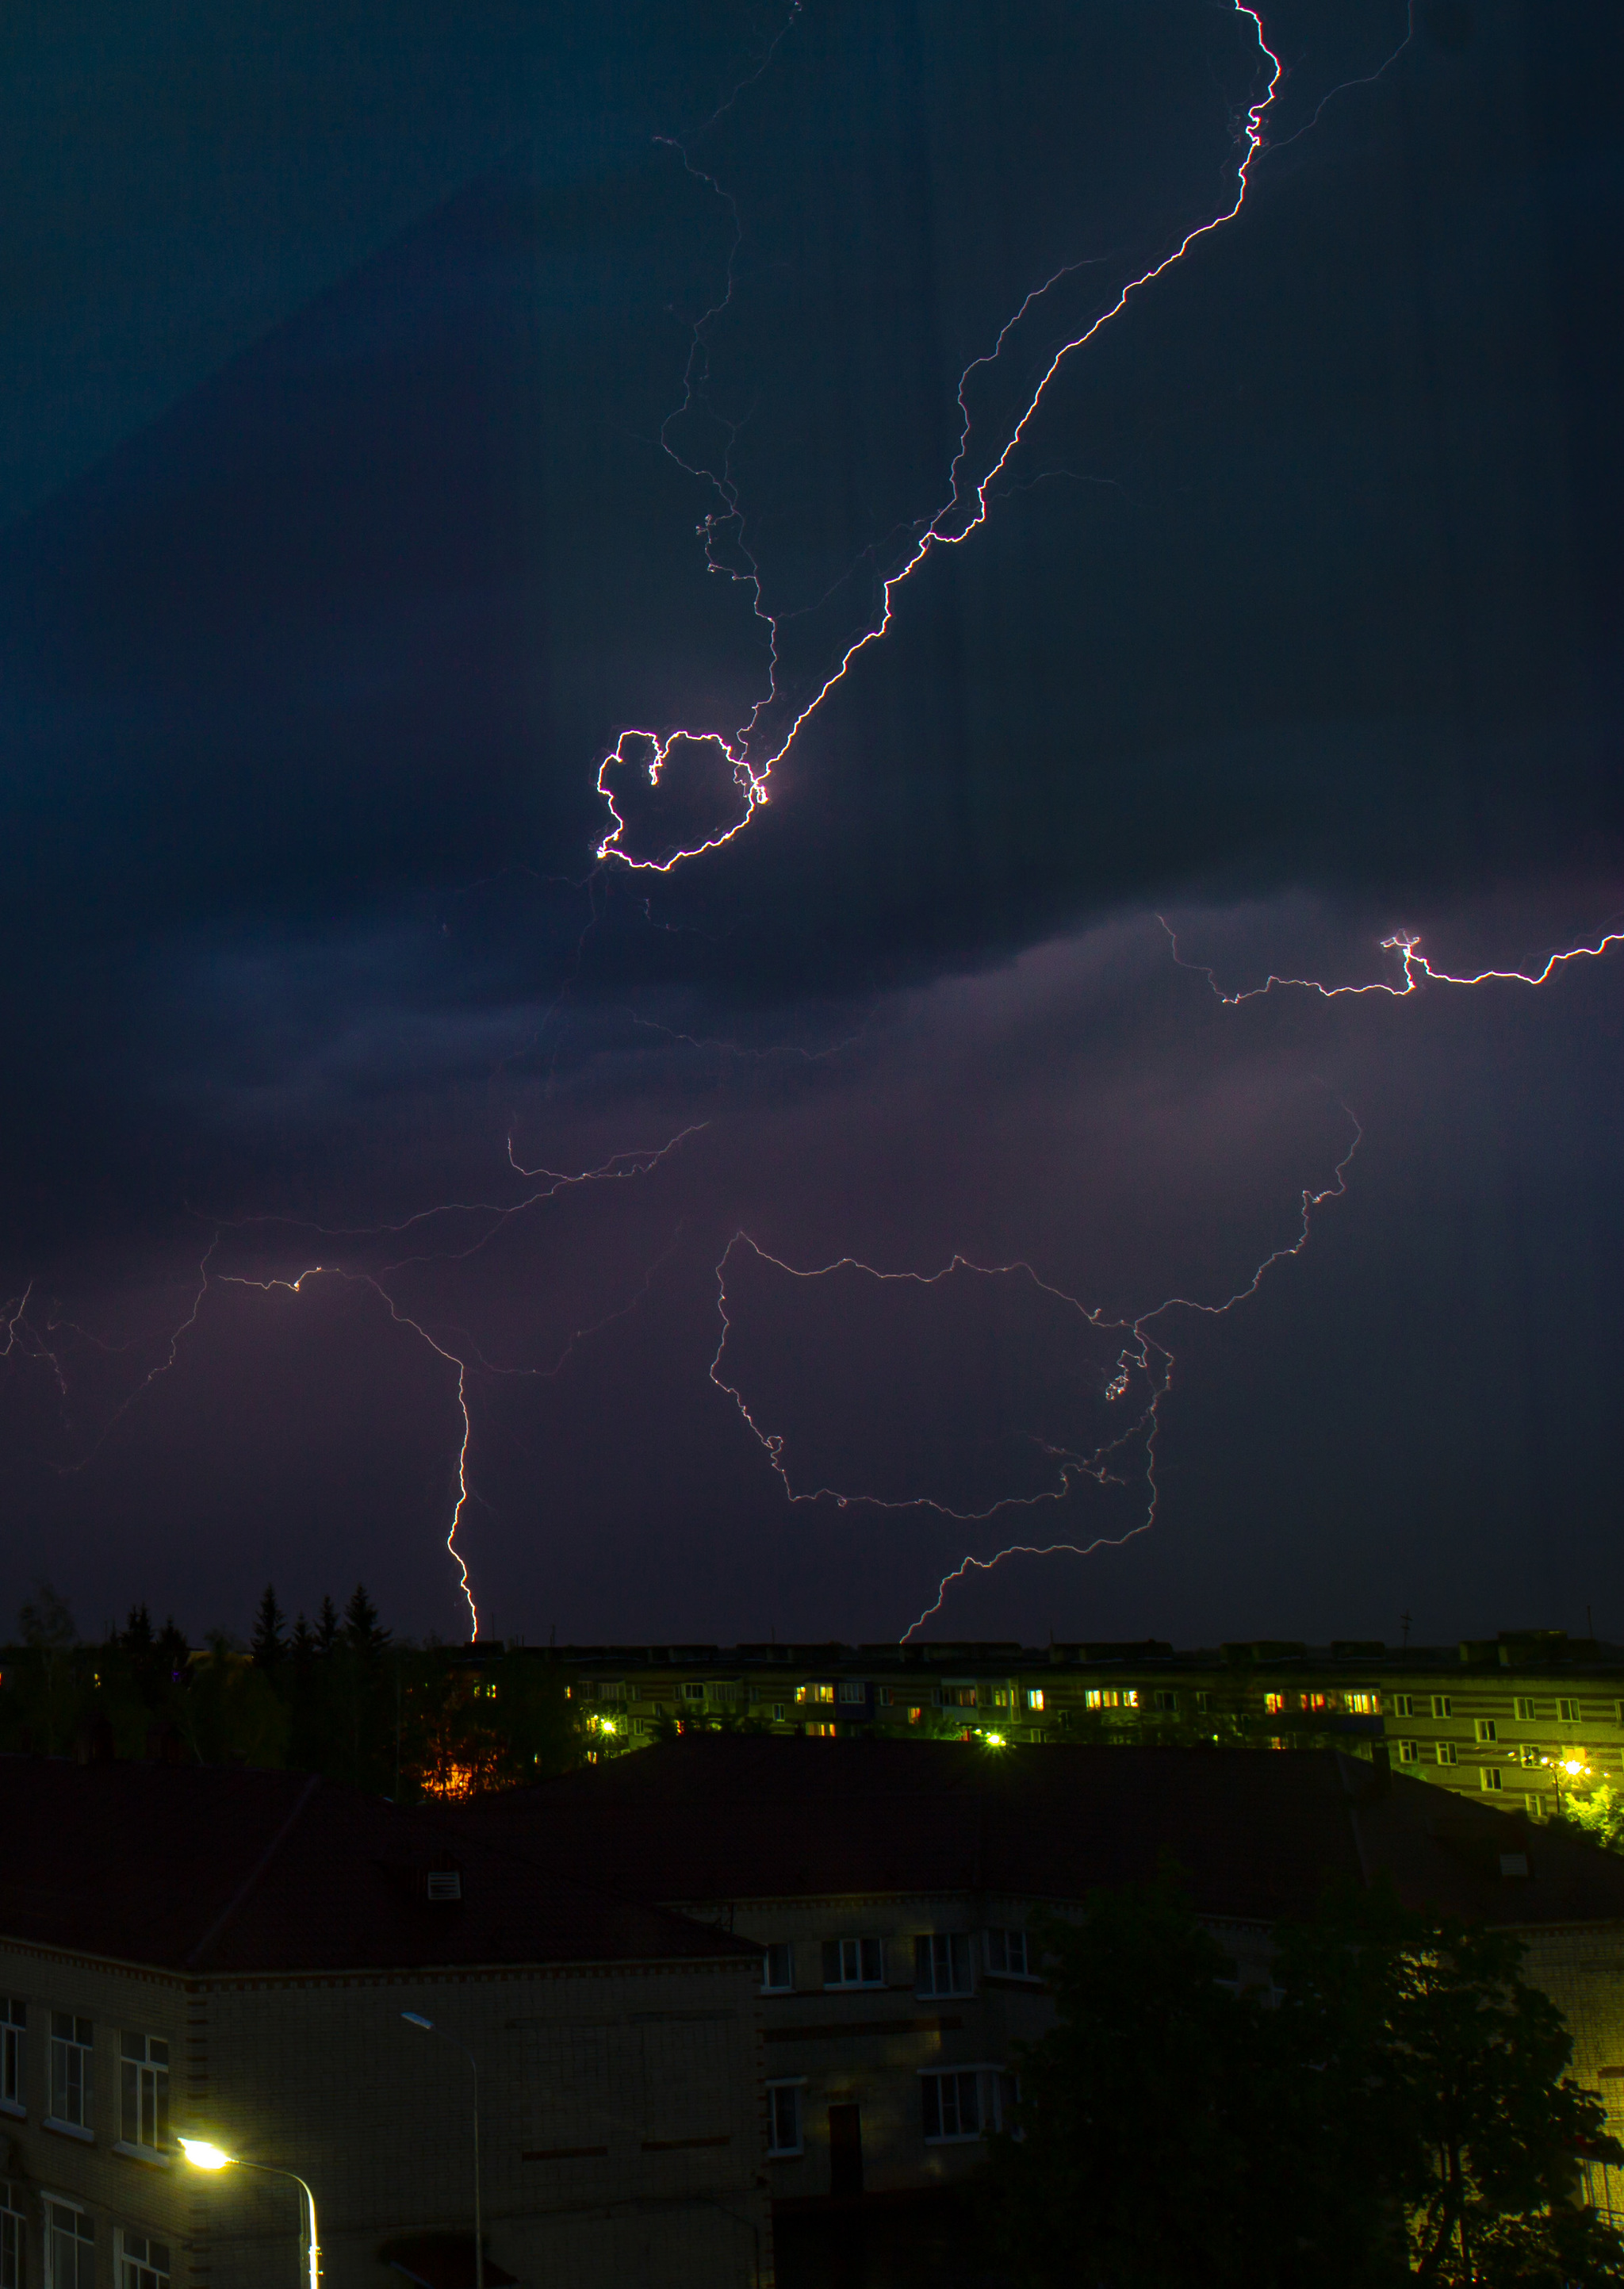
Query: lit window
{"x": 1485, "y": 1729}
{"x": 962, "y": 2104}
{"x": 1130, "y": 1698}
{"x": 1362, "y": 1704}
{"x": 1532, "y": 1754}
{"x": 942, "y": 1964}
{"x": 1446, "y": 1753}
{"x": 13, "y": 2054}
{"x": 12, "y": 2232}
{"x": 1524, "y": 1710}
{"x": 777, "y": 1967}
{"x": 72, "y": 2057}
{"x": 852, "y": 1689}
{"x": 143, "y": 2067}
{"x": 1313, "y": 1701}
{"x": 70, "y": 2247}
{"x": 1567, "y": 1711}
{"x": 814, "y": 1693}
{"x": 1409, "y": 1752}
{"x": 1442, "y": 1705}
{"x": 1003, "y": 1698}
{"x": 1489, "y": 1779}
{"x": 916, "y": 1715}
{"x": 1273, "y": 1703}
{"x": 853, "y": 1963}
{"x": 820, "y": 1732}
{"x": 783, "y": 2135}
{"x": 1009, "y": 1955}
{"x": 1034, "y": 1697}
{"x": 1097, "y": 1697}
{"x": 143, "y": 2263}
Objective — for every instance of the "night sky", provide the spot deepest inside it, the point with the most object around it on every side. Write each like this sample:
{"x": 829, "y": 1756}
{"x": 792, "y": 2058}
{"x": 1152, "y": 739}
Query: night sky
{"x": 351, "y": 370}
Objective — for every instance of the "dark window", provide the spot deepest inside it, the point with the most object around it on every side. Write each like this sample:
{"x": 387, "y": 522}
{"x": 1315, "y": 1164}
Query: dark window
{"x": 942, "y": 1963}
{"x": 853, "y": 1963}
{"x": 777, "y": 1967}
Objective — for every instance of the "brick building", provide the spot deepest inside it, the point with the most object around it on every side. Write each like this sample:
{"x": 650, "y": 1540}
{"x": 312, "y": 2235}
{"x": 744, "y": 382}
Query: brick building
{"x": 889, "y": 1888}
{"x": 227, "y": 1954}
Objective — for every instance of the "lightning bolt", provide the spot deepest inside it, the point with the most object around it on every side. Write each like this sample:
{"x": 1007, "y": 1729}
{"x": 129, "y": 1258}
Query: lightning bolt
{"x": 454, "y": 1346}
{"x": 953, "y": 524}
{"x": 1414, "y": 966}
{"x": 1142, "y": 1352}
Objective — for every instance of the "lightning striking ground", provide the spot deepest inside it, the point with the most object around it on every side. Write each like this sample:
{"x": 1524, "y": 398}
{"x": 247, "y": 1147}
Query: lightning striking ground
{"x": 960, "y": 516}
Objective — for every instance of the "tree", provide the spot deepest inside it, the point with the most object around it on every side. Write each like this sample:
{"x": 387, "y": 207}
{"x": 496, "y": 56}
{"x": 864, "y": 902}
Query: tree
{"x": 1494, "y": 2115}
{"x": 1401, "y": 2096}
{"x": 49, "y": 1633}
{"x": 327, "y": 1627}
{"x": 360, "y": 1629}
{"x": 137, "y": 1638}
{"x": 1599, "y": 1812}
{"x": 268, "y": 1645}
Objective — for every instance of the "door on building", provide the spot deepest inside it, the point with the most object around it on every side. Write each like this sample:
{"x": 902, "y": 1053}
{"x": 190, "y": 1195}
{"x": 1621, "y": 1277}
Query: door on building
{"x": 845, "y": 2149}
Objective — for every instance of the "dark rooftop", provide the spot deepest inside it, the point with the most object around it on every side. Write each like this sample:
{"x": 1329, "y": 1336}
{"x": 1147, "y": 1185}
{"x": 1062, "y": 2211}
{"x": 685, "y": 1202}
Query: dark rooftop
{"x": 214, "y": 1868}
{"x": 1259, "y": 1834}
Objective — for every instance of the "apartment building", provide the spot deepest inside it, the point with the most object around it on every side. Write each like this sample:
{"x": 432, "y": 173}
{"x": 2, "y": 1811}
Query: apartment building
{"x": 1517, "y": 1720}
{"x": 889, "y": 1888}
{"x": 227, "y": 1955}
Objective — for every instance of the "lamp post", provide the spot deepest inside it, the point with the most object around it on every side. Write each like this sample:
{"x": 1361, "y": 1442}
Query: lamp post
{"x": 428, "y": 2026}
{"x": 202, "y": 2155}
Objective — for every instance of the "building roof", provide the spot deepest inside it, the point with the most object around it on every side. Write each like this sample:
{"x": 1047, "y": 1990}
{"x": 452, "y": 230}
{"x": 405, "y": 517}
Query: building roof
{"x": 1258, "y": 1834}
{"x": 208, "y": 1868}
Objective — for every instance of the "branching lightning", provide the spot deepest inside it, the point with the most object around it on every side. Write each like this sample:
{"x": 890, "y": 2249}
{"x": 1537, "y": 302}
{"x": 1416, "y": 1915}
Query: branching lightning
{"x": 455, "y": 1346}
{"x": 1142, "y": 1353}
{"x": 959, "y": 517}
{"x": 1412, "y": 965}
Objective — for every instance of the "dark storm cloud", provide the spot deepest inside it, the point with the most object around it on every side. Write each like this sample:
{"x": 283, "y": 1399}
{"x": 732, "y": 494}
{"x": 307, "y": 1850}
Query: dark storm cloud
{"x": 1300, "y": 610}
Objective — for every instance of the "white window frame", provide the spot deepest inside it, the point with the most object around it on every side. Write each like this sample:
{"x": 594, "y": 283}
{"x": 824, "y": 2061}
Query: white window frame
{"x": 786, "y": 1985}
{"x": 134, "y": 2266}
{"x": 943, "y": 1964}
{"x": 1000, "y": 1939}
{"x": 1443, "y": 1705}
{"x": 993, "y": 2088}
{"x": 688, "y": 1691}
{"x": 59, "y": 2205}
{"x": 1164, "y": 1700}
{"x": 860, "y": 1976}
{"x": 1491, "y": 1779}
{"x": 850, "y": 1693}
{"x": 1486, "y": 1730}
{"x": 146, "y": 2078}
{"x": 73, "y": 2055}
{"x": 1526, "y": 1709}
{"x": 792, "y": 2086}
{"x": 13, "y": 2238}
{"x": 1401, "y": 1705}
{"x": 1448, "y": 1754}
{"x": 13, "y": 2055}
{"x": 1409, "y": 1752}
{"x": 1567, "y": 1713}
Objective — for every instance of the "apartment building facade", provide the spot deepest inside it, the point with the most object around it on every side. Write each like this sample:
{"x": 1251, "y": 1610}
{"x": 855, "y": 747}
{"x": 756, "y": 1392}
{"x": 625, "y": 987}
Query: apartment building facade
{"x": 1519, "y": 1720}
{"x": 227, "y": 1955}
{"x": 891, "y": 1889}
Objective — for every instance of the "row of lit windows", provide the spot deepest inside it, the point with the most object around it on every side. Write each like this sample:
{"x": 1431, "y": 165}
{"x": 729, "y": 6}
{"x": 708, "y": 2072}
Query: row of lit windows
{"x": 67, "y": 2239}
{"x": 850, "y": 1693}
{"x": 143, "y": 2078}
{"x": 942, "y": 1962}
{"x": 955, "y": 2106}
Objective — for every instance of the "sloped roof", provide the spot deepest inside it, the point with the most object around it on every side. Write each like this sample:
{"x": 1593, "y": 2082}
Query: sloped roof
{"x": 216, "y": 1869}
{"x": 1258, "y": 1834}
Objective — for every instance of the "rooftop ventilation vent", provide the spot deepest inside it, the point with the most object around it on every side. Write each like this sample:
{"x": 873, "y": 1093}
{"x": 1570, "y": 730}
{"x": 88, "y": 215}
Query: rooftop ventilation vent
{"x": 444, "y": 1884}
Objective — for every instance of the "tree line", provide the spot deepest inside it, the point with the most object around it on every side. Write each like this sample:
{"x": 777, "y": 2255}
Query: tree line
{"x": 340, "y": 1696}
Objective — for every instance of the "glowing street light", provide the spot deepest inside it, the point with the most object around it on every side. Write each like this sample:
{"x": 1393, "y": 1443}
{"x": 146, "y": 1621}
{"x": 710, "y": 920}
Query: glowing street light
{"x": 416, "y": 2019}
{"x": 993, "y": 1740}
{"x": 204, "y": 2155}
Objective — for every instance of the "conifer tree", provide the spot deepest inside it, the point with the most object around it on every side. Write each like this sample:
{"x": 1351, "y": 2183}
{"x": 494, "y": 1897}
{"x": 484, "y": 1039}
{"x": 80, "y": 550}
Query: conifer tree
{"x": 268, "y": 1642}
{"x": 361, "y": 1623}
{"x": 327, "y": 1626}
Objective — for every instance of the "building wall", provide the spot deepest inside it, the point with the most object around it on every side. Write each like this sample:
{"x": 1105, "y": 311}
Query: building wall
{"x": 621, "y": 2115}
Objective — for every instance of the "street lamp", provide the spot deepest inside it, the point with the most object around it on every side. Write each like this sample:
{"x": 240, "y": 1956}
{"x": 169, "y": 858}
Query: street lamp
{"x": 428, "y": 2026}
{"x": 202, "y": 2155}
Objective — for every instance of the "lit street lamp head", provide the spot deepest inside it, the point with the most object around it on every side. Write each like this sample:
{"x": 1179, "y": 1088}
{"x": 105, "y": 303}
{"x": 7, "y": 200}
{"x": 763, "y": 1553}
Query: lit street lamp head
{"x": 202, "y": 2155}
{"x": 416, "y": 2019}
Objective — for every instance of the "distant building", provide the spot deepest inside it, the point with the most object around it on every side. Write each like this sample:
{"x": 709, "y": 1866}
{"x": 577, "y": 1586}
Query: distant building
{"x": 227, "y": 1954}
{"x": 889, "y": 1888}
{"x": 1516, "y": 1720}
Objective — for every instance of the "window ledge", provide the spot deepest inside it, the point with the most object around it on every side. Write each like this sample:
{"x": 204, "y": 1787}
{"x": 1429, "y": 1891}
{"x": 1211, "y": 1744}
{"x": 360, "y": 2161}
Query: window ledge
{"x": 148, "y": 2154}
{"x": 69, "y": 2130}
{"x": 10, "y": 2106}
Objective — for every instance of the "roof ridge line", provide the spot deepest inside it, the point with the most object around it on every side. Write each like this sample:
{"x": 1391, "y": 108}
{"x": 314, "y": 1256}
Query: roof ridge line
{"x": 194, "y": 1958}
